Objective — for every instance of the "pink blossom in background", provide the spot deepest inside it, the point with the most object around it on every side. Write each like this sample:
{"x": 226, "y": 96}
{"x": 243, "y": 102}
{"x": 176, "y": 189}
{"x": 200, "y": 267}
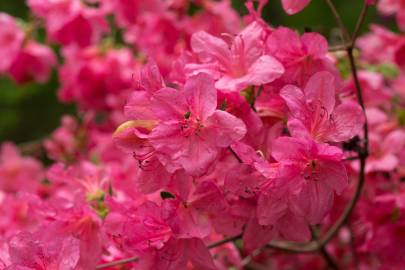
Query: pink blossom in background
{"x": 11, "y": 39}
{"x": 294, "y": 6}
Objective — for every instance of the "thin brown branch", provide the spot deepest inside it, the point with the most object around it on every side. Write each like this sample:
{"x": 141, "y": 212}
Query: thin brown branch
{"x": 339, "y": 21}
{"x": 359, "y": 23}
{"x": 119, "y": 262}
{"x": 224, "y": 241}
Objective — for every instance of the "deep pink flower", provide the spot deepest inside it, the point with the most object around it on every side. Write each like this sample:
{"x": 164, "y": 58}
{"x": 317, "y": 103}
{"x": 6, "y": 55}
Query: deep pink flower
{"x": 313, "y": 113}
{"x": 11, "y": 39}
{"x": 34, "y": 62}
{"x": 18, "y": 173}
{"x": 301, "y": 56}
{"x": 191, "y": 131}
{"x": 70, "y": 21}
{"x": 91, "y": 76}
{"x": 319, "y": 174}
{"x": 235, "y": 66}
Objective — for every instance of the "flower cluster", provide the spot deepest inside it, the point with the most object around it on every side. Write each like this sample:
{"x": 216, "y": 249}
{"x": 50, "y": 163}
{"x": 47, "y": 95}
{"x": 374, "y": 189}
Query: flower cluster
{"x": 204, "y": 137}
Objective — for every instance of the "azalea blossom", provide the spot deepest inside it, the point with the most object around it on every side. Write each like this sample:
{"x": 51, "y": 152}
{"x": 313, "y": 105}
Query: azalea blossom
{"x": 235, "y": 66}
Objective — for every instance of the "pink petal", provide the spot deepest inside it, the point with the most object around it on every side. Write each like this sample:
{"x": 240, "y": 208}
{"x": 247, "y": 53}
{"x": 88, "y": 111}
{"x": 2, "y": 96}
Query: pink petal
{"x": 138, "y": 106}
{"x": 210, "y": 48}
{"x": 315, "y": 200}
{"x": 270, "y": 208}
{"x": 394, "y": 142}
{"x": 265, "y": 70}
{"x": 256, "y": 236}
{"x": 294, "y": 6}
{"x": 201, "y": 95}
{"x": 294, "y": 228}
{"x": 169, "y": 104}
{"x": 347, "y": 121}
{"x": 296, "y": 102}
{"x": 334, "y": 175}
{"x": 290, "y": 149}
{"x": 297, "y": 129}
{"x": 199, "y": 254}
{"x": 150, "y": 78}
{"x": 225, "y": 129}
{"x": 315, "y": 44}
{"x": 320, "y": 91}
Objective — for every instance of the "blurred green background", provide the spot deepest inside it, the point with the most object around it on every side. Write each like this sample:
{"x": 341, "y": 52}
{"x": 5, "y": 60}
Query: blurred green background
{"x": 31, "y": 111}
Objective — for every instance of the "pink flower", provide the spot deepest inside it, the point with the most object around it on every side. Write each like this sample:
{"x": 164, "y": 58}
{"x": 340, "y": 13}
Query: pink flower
{"x": 294, "y": 6}
{"x": 90, "y": 76}
{"x": 64, "y": 18}
{"x": 18, "y": 173}
{"x": 239, "y": 65}
{"x": 379, "y": 45}
{"x": 313, "y": 113}
{"x": 11, "y": 39}
{"x": 191, "y": 131}
{"x": 301, "y": 56}
{"x": 34, "y": 61}
{"x": 319, "y": 173}
{"x": 28, "y": 252}
{"x": 384, "y": 151}
{"x": 390, "y": 7}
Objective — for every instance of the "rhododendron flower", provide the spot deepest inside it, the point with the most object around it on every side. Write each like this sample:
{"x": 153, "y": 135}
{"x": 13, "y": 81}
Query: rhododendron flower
{"x": 294, "y": 6}
{"x": 239, "y": 65}
{"x": 319, "y": 174}
{"x": 301, "y": 56}
{"x": 191, "y": 131}
{"x": 63, "y": 18}
{"x": 390, "y": 7}
{"x": 87, "y": 77}
{"x": 11, "y": 39}
{"x": 18, "y": 173}
{"x": 313, "y": 112}
{"x": 34, "y": 61}
{"x": 384, "y": 151}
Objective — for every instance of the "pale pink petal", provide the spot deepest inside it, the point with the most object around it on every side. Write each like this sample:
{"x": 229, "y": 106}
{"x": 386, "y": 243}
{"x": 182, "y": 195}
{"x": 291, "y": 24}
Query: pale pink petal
{"x": 225, "y": 128}
{"x": 320, "y": 91}
{"x": 296, "y": 102}
{"x": 169, "y": 104}
{"x": 265, "y": 70}
{"x": 210, "y": 48}
{"x": 201, "y": 95}
{"x": 150, "y": 78}
{"x": 297, "y": 129}
{"x": 394, "y": 142}
{"x": 199, "y": 155}
{"x": 248, "y": 43}
{"x": 347, "y": 121}
{"x": 294, "y": 6}
{"x": 138, "y": 106}
{"x": 315, "y": 44}
{"x": 290, "y": 149}
{"x": 291, "y": 43}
